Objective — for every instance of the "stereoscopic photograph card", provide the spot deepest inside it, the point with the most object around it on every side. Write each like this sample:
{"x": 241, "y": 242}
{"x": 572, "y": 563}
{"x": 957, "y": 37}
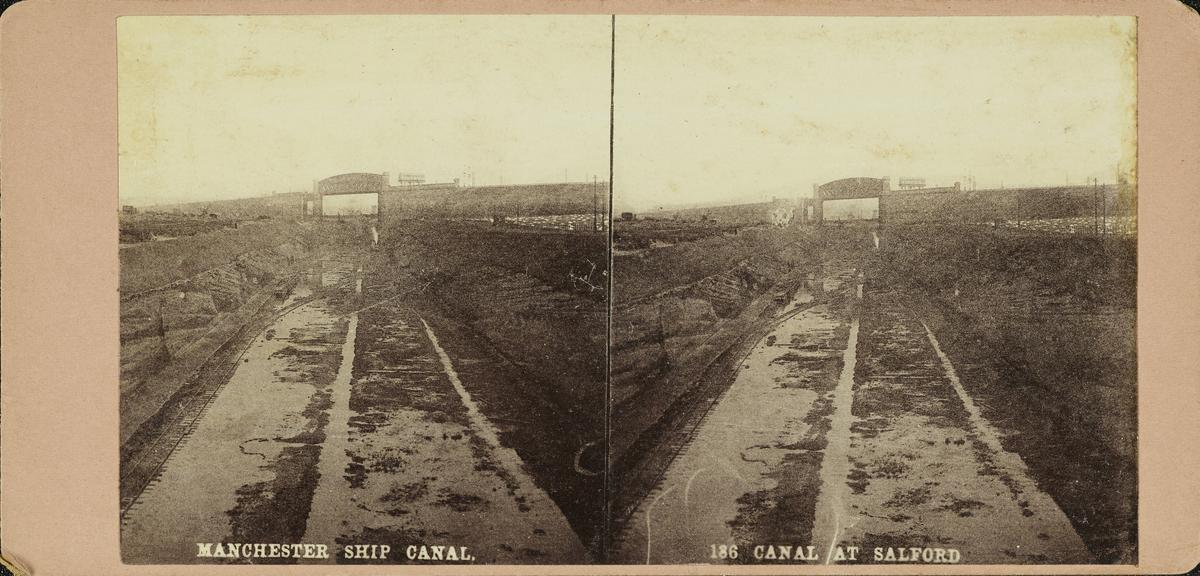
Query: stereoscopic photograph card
{"x": 598, "y": 287}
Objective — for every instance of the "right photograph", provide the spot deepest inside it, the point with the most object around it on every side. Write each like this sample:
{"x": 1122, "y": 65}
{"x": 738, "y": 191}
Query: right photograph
{"x": 874, "y": 290}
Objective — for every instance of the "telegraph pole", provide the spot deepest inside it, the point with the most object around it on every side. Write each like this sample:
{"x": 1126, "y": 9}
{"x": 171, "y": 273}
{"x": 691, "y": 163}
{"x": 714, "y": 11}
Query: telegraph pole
{"x": 595, "y": 206}
{"x": 1103, "y": 210}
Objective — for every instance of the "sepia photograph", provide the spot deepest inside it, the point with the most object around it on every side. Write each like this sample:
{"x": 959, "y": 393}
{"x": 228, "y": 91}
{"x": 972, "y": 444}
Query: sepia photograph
{"x": 363, "y": 288}
{"x": 874, "y": 291}
{"x": 633, "y": 289}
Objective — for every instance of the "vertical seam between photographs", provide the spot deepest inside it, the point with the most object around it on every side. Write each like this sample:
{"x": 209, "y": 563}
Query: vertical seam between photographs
{"x": 605, "y": 537}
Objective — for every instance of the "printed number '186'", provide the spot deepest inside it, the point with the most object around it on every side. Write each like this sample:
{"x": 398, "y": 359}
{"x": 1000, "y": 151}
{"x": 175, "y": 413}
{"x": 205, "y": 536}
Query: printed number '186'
{"x": 723, "y": 551}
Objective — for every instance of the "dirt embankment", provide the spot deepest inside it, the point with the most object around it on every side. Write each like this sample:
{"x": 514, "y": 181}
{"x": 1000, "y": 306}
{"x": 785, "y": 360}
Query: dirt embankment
{"x": 150, "y": 265}
{"x": 136, "y": 228}
{"x": 676, "y": 309}
{"x": 538, "y": 296}
{"x": 527, "y": 309}
{"x": 630, "y": 235}
{"x": 487, "y": 201}
{"x": 648, "y": 274}
{"x": 1043, "y": 330}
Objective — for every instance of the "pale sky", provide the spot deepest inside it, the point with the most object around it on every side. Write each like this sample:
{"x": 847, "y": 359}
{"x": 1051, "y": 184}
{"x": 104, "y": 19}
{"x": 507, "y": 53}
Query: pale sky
{"x": 715, "y": 109}
{"x": 708, "y": 109}
{"x": 214, "y": 107}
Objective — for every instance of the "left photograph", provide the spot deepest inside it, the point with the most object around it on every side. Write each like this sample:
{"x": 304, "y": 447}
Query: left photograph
{"x": 363, "y": 288}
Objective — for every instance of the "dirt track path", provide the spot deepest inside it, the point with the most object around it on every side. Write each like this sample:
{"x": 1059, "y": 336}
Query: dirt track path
{"x": 421, "y": 465}
{"x": 847, "y": 426}
{"x": 925, "y": 468}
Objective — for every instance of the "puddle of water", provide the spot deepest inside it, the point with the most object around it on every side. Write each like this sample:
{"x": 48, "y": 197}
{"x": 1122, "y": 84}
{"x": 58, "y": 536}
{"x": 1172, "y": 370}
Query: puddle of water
{"x": 802, "y": 298}
{"x": 731, "y": 455}
{"x": 299, "y": 293}
{"x": 328, "y": 500}
{"x": 240, "y": 432}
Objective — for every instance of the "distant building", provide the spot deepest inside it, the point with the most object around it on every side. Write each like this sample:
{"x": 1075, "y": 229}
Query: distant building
{"x": 409, "y": 179}
{"x": 831, "y": 196}
{"x": 910, "y": 183}
{"x": 127, "y": 209}
{"x": 627, "y": 215}
{"x": 852, "y": 188}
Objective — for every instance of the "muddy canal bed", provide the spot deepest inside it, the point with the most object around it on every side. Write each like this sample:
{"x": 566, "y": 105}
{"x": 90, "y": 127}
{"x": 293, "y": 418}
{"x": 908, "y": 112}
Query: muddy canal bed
{"x": 847, "y": 425}
{"x": 927, "y": 469}
{"x": 422, "y": 464}
{"x": 750, "y": 463}
{"x": 750, "y": 468}
{"x": 246, "y": 470}
{"x": 344, "y": 422}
